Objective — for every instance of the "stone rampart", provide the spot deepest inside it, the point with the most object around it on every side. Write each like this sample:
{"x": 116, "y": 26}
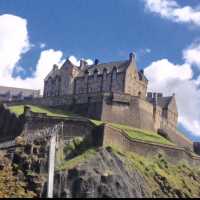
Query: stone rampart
{"x": 177, "y": 137}
{"x": 113, "y": 136}
{"x": 37, "y": 125}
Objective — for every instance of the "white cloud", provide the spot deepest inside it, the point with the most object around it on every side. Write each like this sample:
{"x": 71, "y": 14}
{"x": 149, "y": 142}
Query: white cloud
{"x": 14, "y": 42}
{"x": 42, "y": 45}
{"x": 167, "y": 77}
{"x": 76, "y": 62}
{"x": 192, "y": 54}
{"x": 171, "y": 10}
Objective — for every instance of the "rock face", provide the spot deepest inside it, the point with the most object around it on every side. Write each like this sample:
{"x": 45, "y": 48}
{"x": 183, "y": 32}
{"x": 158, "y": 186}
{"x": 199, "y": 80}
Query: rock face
{"x": 102, "y": 176}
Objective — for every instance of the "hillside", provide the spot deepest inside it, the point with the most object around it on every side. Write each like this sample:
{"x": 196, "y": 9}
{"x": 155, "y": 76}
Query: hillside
{"x": 85, "y": 171}
{"x": 10, "y": 185}
{"x": 107, "y": 172}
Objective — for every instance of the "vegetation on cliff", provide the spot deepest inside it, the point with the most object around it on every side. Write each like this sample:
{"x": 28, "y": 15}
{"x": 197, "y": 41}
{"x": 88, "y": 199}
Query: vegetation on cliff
{"x": 10, "y": 185}
{"x": 126, "y": 174}
{"x": 163, "y": 178}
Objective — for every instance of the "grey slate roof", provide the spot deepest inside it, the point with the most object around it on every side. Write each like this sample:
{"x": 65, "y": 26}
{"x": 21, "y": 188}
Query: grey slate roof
{"x": 17, "y": 91}
{"x": 163, "y": 102}
{"x": 120, "y": 65}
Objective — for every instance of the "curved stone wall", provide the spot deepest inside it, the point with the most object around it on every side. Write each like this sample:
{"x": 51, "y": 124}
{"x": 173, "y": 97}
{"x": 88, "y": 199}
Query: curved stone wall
{"x": 10, "y": 125}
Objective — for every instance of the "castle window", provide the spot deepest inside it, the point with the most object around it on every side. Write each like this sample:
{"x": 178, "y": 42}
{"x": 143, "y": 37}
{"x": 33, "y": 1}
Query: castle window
{"x": 104, "y": 74}
{"x": 95, "y": 74}
{"x": 114, "y": 73}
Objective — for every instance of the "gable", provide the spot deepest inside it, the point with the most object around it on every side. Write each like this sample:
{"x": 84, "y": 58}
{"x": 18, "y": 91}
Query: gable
{"x": 172, "y": 106}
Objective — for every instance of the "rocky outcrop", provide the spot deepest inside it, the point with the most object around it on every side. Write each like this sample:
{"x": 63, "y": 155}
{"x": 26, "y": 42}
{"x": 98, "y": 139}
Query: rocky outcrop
{"x": 30, "y": 163}
{"x": 104, "y": 175}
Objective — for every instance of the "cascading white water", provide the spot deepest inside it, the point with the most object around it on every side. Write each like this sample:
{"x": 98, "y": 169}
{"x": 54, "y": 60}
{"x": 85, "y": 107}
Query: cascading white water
{"x": 52, "y": 152}
{"x": 54, "y": 133}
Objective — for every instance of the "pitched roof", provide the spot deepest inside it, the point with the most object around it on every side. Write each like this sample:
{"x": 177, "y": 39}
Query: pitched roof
{"x": 163, "y": 102}
{"x": 120, "y": 65}
{"x": 17, "y": 91}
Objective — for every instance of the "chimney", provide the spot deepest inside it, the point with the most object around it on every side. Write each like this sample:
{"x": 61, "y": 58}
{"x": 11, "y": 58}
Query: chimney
{"x": 160, "y": 95}
{"x": 155, "y": 98}
{"x": 149, "y": 95}
{"x": 132, "y": 56}
{"x": 96, "y": 62}
{"x": 55, "y": 67}
{"x": 83, "y": 63}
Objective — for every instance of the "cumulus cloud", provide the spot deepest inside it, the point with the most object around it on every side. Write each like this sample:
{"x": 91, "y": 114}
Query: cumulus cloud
{"x": 192, "y": 54}
{"x": 76, "y": 62}
{"x": 171, "y": 10}
{"x": 171, "y": 78}
{"x": 14, "y": 42}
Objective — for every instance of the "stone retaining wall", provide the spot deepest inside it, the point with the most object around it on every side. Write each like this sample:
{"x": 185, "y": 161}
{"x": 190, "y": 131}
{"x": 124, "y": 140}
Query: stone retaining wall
{"x": 112, "y": 136}
{"x": 10, "y": 125}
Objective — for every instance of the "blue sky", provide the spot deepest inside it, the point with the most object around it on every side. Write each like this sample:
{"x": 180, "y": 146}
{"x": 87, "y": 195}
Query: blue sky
{"x": 164, "y": 34}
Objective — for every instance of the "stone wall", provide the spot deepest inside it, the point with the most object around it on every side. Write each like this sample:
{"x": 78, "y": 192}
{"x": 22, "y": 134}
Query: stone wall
{"x": 112, "y": 136}
{"x": 39, "y": 124}
{"x": 111, "y": 107}
{"x": 106, "y": 82}
{"x": 10, "y": 125}
{"x": 177, "y": 137}
{"x": 128, "y": 110}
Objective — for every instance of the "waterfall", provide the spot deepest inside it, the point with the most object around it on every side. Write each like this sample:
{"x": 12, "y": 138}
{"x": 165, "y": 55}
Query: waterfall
{"x": 52, "y": 152}
{"x": 54, "y": 133}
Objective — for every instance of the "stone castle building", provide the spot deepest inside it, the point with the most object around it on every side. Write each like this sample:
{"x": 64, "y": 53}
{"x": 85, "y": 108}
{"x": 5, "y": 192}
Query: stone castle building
{"x": 114, "y": 91}
{"x": 15, "y": 94}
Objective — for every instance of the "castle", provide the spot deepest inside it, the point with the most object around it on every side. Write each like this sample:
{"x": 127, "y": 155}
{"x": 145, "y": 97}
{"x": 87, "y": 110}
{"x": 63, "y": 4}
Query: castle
{"x": 114, "y": 92}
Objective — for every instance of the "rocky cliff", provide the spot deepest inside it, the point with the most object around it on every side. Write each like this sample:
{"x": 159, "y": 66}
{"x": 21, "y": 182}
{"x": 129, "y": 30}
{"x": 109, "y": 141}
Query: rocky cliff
{"x": 110, "y": 173}
{"x": 95, "y": 172}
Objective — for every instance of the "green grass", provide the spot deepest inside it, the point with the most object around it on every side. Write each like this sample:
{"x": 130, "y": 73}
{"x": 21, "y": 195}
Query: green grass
{"x": 140, "y": 134}
{"x": 131, "y": 132}
{"x": 180, "y": 179}
{"x": 69, "y": 164}
{"x": 18, "y": 110}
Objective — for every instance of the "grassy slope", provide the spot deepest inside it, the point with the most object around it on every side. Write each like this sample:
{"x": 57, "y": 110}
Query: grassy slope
{"x": 69, "y": 164}
{"x": 50, "y": 111}
{"x": 131, "y": 132}
{"x": 139, "y": 134}
{"x": 163, "y": 178}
